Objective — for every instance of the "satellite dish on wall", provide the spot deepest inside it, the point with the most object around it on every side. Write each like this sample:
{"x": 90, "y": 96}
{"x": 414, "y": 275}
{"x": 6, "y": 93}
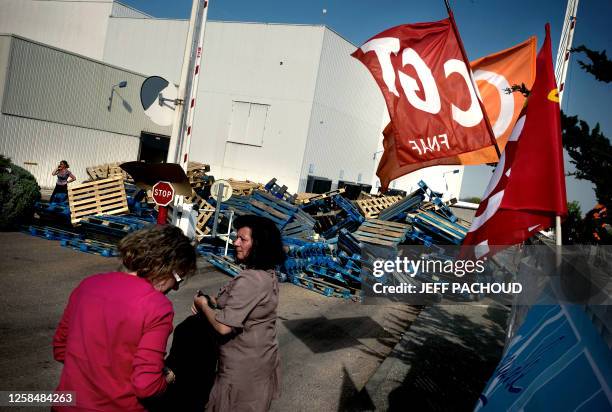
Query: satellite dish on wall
{"x": 159, "y": 98}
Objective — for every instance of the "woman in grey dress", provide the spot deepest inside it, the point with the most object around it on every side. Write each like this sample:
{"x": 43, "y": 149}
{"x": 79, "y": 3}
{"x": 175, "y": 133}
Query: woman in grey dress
{"x": 248, "y": 375}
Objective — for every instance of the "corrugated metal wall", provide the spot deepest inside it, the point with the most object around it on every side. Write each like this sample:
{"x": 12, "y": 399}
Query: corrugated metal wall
{"x": 121, "y": 10}
{"x": 76, "y": 91}
{"x": 55, "y": 106}
{"x": 5, "y": 49}
{"x": 345, "y": 124}
{"x": 38, "y": 146}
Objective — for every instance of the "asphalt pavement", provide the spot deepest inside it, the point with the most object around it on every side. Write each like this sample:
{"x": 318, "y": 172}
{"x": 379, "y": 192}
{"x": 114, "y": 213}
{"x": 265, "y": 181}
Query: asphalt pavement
{"x": 329, "y": 347}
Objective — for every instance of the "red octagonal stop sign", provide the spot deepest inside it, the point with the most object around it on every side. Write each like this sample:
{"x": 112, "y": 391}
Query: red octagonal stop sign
{"x": 163, "y": 193}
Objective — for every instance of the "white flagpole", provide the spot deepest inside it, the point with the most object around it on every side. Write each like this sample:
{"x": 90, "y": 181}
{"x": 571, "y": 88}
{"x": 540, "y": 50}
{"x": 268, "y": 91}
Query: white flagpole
{"x": 561, "y": 66}
{"x": 180, "y": 140}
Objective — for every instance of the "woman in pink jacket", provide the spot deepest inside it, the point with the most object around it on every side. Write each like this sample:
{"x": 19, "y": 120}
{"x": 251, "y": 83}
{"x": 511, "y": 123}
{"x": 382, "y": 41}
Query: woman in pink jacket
{"x": 113, "y": 334}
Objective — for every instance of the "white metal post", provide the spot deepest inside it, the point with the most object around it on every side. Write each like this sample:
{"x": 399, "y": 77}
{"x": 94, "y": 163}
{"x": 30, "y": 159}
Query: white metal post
{"x": 561, "y": 66}
{"x": 180, "y": 140}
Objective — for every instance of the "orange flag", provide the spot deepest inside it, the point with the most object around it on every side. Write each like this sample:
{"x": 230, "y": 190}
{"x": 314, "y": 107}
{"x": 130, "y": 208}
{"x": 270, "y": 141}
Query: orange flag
{"x": 527, "y": 189}
{"x": 493, "y": 74}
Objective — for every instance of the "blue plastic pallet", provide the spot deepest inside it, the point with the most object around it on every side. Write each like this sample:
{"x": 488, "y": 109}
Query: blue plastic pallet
{"x": 52, "y": 233}
{"x": 91, "y": 246}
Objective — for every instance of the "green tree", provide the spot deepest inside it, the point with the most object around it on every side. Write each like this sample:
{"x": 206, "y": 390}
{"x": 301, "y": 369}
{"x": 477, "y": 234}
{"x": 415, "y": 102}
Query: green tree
{"x": 600, "y": 66}
{"x": 591, "y": 154}
{"x": 572, "y": 228}
{"x": 589, "y": 149}
{"x": 18, "y": 193}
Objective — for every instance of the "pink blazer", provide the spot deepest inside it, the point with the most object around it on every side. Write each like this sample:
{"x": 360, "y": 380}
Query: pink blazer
{"x": 112, "y": 340}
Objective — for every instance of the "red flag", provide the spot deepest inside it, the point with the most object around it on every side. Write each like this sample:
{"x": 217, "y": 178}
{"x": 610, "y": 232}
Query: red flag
{"x": 527, "y": 189}
{"x": 432, "y": 104}
{"x": 494, "y": 73}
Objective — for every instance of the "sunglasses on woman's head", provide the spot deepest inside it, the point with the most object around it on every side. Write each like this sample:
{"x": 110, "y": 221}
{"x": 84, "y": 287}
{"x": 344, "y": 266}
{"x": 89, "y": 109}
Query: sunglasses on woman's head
{"x": 177, "y": 278}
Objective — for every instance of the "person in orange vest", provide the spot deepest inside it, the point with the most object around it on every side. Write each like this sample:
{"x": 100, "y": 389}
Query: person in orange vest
{"x": 598, "y": 225}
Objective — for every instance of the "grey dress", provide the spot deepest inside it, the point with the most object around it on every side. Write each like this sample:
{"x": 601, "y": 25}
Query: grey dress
{"x": 248, "y": 376}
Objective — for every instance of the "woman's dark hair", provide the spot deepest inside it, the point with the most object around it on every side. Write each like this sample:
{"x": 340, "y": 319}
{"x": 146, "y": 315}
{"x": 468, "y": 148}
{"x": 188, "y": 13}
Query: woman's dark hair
{"x": 66, "y": 163}
{"x": 267, "y": 249}
{"x": 156, "y": 252}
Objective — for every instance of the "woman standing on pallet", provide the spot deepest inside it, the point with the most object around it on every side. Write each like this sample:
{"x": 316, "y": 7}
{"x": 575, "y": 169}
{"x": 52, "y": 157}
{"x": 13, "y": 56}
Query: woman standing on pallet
{"x": 248, "y": 375}
{"x": 112, "y": 336}
{"x": 64, "y": 176}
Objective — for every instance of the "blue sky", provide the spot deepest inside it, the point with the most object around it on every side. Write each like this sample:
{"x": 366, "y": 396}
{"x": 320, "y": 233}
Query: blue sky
{"x": 485, "y": 27}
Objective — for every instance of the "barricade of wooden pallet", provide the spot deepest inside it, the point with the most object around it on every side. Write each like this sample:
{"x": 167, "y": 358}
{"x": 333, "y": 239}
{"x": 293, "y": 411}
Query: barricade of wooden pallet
{"x": 205, "y": 213}
{"x": 106, "y": 196}
{"x": 207, "y": 250}
{"x": 277, "y": 210}
{"x": 197, "y": 168}
{"x": 114, "y": 169}
{"x": 55, "y": 212}
{"x": 351, "y": 221}
{"x": 225, "y": 264}
{"x": 398, "y": 210}
{"x": 382, "y": 233}
{"x": 310, "y": 199}
{"x": 112, "y": 226}
{"x": 371, "y": 207}
{"x": 244, "y": 187}
{"x": 336, "y": 272}
{"x": 98, "y": 224}
{"x": 52, "y": 233}
{"x": 302, "y": 197}
{"x": 321, "y": 286}
{"x": 280, "y": 192}
{"x": 434, "y": 223}
{"x": 348, "y": 243}
{"x": 302, "y": 225}
{"x": 239, "y": 204}
{"x": 91, "y": 246}
{"x": 107, "y": 170}
{"x": 436, "y": 199}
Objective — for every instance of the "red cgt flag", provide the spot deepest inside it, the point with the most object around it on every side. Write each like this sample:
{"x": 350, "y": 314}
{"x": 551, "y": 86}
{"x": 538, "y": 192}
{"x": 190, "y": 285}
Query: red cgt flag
{"x": 493, "y": 73}
{"x": 426, "y": 84}
{"x": 527, "y": 189}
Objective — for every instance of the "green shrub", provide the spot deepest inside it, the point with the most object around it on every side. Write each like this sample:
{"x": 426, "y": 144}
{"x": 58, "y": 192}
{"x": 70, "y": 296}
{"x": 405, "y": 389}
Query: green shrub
{"x": 18, "y": 193}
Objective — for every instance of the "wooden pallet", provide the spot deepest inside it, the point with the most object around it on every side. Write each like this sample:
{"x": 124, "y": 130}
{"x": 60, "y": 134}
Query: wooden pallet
{"x": 381, "y": 233}
{"x": 97, "y": 172}
{"x": 106, "y": 196}
{"x": 370, "y": 208}
{"x": 244, "y": 187}
{"x": 115, "y": 170}
{"x": 322, "y": 196}
{"x": 205, "y": 212}
{"x": 365, "y": 196}
{"x": 301, "y": 198}
{"x": 107, "y": 170}
{"x": 197, "y": 167}
{"x": 196, "y": 173}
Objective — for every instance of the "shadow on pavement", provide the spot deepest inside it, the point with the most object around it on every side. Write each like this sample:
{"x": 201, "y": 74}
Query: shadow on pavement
{"x": 321, "y": 334}
{"x": 451, "y": 361}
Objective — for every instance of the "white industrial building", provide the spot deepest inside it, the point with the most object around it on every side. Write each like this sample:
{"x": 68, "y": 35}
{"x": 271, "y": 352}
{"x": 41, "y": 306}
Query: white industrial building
{"x": 274, "y": 100}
